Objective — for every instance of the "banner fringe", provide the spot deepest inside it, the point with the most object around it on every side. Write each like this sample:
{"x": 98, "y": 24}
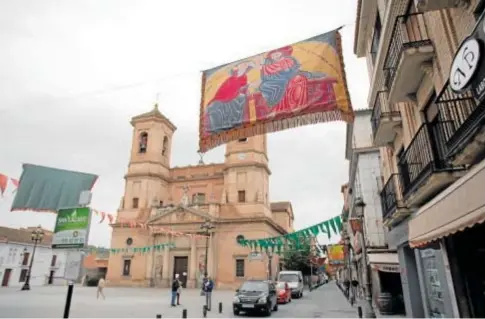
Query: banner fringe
{"x": 207, "y": 143}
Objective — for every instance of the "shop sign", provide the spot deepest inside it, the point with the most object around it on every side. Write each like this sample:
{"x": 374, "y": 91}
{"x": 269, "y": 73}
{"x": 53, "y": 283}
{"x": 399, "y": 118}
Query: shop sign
{"x": 386, "y": 268}
{"x": 467, "y": 69}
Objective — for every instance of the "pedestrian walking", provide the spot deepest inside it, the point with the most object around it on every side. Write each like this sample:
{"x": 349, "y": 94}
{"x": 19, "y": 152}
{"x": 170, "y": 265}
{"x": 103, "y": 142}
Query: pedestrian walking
{"x": 175, "y": 287}
{"x": 179, "y": 290}
{"x": 208, "y": 285}
{"x": 101, "y": 285}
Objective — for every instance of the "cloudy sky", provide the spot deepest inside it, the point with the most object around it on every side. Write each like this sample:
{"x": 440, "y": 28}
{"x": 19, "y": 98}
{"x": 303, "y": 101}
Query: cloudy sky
{"x": 73, "y": 73}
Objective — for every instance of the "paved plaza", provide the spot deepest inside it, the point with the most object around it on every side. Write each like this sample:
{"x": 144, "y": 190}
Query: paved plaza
{"x": 43, "y": 302}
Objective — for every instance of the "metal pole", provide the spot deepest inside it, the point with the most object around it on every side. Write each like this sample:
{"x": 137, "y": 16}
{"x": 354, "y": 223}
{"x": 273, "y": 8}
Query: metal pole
{"x": 67, "y": 307}
{"x": 26, "y": 285}
{"x": 206, "y": 252}
{"x": 368, "y": 309}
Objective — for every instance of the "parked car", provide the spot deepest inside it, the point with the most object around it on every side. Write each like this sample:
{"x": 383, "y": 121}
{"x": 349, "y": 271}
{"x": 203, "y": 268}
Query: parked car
{"x": 295, "y": 281}
{"x": 284, "y": 292}
{"x": 255, "y": 296}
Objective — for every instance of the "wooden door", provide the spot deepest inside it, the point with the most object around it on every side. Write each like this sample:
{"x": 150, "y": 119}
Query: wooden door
{"x": 181, "y": 267}
{"x": 6, "y": 277}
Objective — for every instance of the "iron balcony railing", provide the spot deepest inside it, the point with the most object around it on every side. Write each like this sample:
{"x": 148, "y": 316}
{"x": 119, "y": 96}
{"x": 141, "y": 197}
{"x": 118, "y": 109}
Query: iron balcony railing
{"x": 423, "y": 156}
{"x": 465, "y": 115}
{"x": 382, "y": 108}
{"x": 391, "y": 195}
{"x": 409, "y": 32}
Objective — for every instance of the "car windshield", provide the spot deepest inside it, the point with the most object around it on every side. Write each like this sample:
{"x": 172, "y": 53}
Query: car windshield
{"x": 254, "y": 286}
{"x": 281, "y": 285}
{"x": 289, "y": 277}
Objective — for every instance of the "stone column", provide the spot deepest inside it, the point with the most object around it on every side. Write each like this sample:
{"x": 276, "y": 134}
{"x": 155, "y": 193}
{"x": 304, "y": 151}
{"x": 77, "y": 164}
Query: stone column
{"x": 193, "y": 263}
{"x": 166, "y": 265}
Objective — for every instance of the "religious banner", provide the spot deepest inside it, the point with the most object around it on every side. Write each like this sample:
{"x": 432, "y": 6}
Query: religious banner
{"x": 335, "y": 254}
{"x": 299, "y": 84}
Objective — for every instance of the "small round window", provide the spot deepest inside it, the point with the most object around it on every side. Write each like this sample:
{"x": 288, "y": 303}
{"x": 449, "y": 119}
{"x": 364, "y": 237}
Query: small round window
{"x": 129, "y": 241}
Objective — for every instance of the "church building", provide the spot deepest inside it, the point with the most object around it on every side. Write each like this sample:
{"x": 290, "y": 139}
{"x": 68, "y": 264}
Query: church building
{"x": 221, "y": 202}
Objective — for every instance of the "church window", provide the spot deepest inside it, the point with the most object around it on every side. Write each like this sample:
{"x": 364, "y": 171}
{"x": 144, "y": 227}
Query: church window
{"x": 126, "y": 267}
{"x": 161, "y": 203}
{"x": 240, "y": 263}
{"x": 198, "y": 198}
{"x": 143, "y": 143}
{"x": 135, "y": 202}
{"x": 165, "y": 146}
{"x": 242, "y": 140}
{"x": 241, "y": 196}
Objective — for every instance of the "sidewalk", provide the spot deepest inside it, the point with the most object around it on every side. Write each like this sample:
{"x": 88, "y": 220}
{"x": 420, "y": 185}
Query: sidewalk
{"x": 361, "y": 303}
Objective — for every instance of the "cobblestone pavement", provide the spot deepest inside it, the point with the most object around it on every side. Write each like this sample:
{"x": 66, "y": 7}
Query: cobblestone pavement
{"x": 43, "y": 302}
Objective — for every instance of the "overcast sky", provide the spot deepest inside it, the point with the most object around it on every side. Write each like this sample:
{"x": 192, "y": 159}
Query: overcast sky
{"x": 73, "y": 73}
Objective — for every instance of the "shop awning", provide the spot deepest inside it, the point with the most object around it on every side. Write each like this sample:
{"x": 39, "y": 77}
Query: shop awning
{"x": 460, "y": 206}
{"x": 382, "y": 258}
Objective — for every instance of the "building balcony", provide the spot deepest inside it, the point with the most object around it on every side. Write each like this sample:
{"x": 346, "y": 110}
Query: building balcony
{"x": 423, "y": 168}
{"x": 385, "y": 118}
{"x": 465, "y": 136}
{"x": 433, "y": 5}
{"x": 409, "y": 50}
{"x": 394, "y": 209}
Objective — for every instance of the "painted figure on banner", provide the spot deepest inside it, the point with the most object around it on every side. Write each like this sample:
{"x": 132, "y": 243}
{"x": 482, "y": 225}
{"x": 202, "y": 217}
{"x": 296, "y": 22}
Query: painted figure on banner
{"x": 303, "y": 81}
{"x": 226, "y": 109}
{"x": 284, "y": 86}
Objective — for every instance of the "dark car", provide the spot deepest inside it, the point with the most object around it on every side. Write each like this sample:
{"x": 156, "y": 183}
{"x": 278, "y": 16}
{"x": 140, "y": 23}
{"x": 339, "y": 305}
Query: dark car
{"x": 255, "y": 296}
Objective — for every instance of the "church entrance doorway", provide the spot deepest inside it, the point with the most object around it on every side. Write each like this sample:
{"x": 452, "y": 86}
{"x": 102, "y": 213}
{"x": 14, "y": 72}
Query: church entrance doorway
{"x": 181, "y": 267}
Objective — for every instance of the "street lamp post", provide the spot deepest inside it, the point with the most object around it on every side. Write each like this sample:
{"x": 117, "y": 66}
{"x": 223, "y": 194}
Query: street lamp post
{"x": 37, "y": 235}
{"x": 207, "y": 226}
{"x": 369, "y": 308}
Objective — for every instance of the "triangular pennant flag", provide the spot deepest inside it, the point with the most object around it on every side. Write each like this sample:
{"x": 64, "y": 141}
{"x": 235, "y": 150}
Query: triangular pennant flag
{"x": 333, "y": 225}
{"x": 315, "y": 231}
{"x": 338, "y": 222}
{"x": 3, "y": 183}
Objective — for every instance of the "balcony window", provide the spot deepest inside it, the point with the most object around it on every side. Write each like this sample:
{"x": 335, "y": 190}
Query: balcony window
{"x": 405, "y": 56}
{"x": 461, "y": 117}
{"x": 376, "y": 38}
{"x": 391, "y": 195}
{"x": 25, "y": 259}
{"x": 385, "y": 116}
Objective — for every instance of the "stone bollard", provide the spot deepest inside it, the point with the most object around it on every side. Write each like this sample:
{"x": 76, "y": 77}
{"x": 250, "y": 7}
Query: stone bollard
{"x": 184, "y": 313}
{"x": 359, "y": 311}
{"x": 220, "y": 307}
{"x": 159, "y": 316}
{"x": 204, "y": 311}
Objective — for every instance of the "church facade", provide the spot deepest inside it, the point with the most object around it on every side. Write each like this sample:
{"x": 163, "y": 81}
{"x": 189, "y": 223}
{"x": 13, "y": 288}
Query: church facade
{"x": 232, "y": 198}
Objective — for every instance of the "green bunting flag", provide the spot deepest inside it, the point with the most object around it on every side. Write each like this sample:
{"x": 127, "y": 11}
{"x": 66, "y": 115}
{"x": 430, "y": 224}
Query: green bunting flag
{"x": 296, "y": 239}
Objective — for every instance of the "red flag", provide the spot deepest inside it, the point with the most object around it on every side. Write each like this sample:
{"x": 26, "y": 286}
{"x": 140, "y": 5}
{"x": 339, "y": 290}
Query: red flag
{"x": 3, "y": 183}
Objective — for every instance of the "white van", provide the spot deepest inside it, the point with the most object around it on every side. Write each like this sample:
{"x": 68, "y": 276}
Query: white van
{"x": 294, "y": 279}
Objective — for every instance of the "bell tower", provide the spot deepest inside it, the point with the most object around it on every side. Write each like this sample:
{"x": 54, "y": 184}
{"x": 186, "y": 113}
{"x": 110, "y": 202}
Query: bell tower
{"x": 247, "y": 174}
{"x": 149, "y": 167}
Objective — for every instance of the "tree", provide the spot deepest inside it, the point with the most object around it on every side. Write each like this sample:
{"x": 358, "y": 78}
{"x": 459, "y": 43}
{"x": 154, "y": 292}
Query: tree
{"x": 297, "y": 257}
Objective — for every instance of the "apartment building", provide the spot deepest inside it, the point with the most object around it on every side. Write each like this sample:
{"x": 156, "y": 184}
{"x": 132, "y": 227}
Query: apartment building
{"x": 364, "y": 186}
{"x": 426, "y": 94}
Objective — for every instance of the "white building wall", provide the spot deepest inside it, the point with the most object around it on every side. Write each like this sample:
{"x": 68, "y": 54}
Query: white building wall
{"x": 362, "y": 131}
{"x": 11, "y": 257}
{"x": 369, "y": 172}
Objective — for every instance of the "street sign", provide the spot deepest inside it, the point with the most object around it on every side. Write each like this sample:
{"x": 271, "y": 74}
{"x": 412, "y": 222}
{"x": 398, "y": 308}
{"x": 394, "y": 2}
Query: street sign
{"x": 73, "y": 265}
{"x": 255, "y": 255}
{"x": 72, "y": 228}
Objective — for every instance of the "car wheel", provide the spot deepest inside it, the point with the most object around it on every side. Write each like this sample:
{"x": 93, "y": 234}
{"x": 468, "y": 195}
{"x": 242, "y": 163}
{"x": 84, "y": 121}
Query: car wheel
{"x": 301, "y": 294}
{"x": 267, "y": 311}
{"x": 275, "y": 307}
{"x": 236, "y": 312}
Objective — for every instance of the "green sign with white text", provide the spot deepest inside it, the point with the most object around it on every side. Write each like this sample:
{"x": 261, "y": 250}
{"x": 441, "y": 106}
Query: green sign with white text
{"x": 72, "y": 228}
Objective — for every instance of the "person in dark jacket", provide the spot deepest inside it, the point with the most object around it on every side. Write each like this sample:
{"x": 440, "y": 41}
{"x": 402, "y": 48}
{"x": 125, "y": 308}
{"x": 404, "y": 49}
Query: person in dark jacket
{"x": 175, "y": 288}
{"x": 207, "y": 287}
